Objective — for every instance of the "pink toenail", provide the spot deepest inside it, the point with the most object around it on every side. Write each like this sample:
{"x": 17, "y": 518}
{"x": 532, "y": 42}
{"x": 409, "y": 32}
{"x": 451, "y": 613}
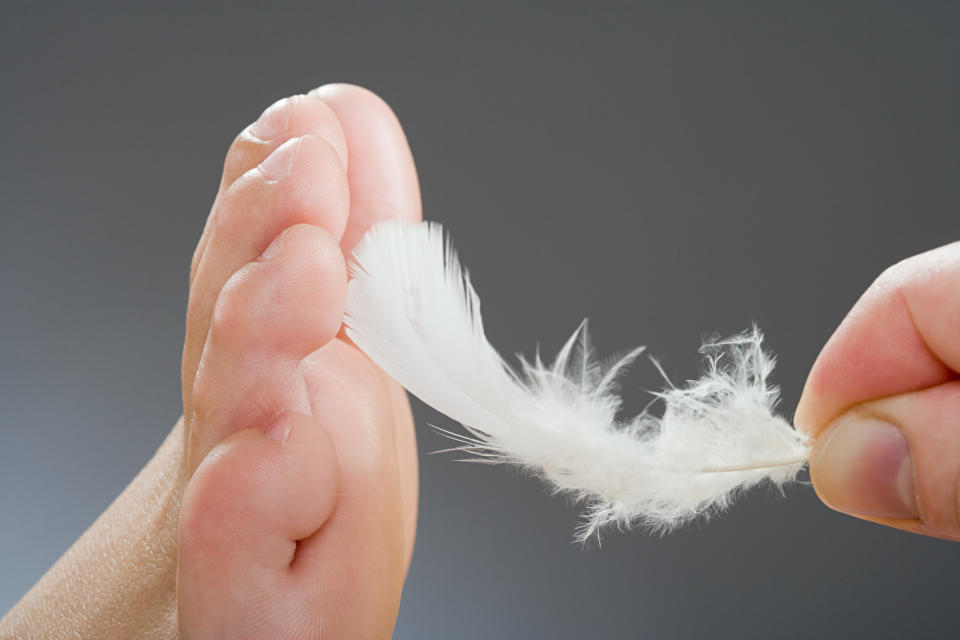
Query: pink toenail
{"x": 278, "y": 164}
{"x": 274, "y": 249}
{"x": 280, "y": 431}
{"x": 273, "y": 121}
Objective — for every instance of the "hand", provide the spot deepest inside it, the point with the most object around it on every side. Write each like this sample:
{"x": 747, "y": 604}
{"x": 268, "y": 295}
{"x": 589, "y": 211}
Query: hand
{"x": 882, "y": 401}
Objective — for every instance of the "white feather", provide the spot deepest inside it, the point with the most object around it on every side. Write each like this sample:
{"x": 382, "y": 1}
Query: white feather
{"x": 412, "y": 310}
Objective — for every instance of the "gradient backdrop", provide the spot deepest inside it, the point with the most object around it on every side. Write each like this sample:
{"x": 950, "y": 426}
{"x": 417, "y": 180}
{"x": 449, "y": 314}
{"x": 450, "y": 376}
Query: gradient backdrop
{"x": 668, "y": 171}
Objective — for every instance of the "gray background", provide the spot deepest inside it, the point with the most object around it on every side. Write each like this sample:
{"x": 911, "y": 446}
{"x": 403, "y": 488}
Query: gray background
{"x": 667, "y": 170}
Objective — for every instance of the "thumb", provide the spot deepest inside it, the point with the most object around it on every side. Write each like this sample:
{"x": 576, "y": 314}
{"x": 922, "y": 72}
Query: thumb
{"x": 895, "y": 461}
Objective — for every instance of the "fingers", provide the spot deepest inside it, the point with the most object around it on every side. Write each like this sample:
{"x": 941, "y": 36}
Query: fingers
{"x": 246, "y": 508}
{"x": 900, "y": 336}
{"x": 878, "y": 400}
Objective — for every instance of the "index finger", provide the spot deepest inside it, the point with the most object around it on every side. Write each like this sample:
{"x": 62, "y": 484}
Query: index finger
{"x": 902, "y": 335}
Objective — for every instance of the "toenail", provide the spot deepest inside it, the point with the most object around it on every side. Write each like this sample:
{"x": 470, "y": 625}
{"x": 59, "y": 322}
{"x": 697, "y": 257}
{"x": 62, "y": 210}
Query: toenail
{"x": 274, "y": 249}
{"x": 273, "y": 121}
{"x": 325, "y": 90}
{"x": 278, "y": 164}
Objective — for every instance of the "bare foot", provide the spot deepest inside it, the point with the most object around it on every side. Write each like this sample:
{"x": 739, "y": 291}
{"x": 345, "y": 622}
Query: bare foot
{"x": 284, "y": 504}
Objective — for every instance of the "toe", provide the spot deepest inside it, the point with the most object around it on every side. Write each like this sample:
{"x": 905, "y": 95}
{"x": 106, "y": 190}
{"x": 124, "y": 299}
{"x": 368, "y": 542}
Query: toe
{"x": 272, "y": 313}
{"x": 250, "y": 502}
{"x": 302, "y": 181}
{"x": 285, "y": 119}
{"x": 383, "y": 185}
{"x": 260, "y": 301}
{"x": 383, "y": 178}
{"x": 358, "y": 557}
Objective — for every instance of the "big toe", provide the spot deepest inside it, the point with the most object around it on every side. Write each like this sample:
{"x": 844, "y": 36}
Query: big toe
{"x": 295, "y": 530}
{"x": 244, "y": 513}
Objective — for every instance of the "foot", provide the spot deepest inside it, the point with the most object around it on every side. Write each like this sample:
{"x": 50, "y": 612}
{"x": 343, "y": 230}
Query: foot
{"x": 287, "y": 496}
{"x": 303, "y": 529}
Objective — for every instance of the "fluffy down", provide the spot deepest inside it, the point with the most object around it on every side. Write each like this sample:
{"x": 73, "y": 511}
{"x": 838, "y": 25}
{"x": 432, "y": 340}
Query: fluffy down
{"x": 412, "y": 310}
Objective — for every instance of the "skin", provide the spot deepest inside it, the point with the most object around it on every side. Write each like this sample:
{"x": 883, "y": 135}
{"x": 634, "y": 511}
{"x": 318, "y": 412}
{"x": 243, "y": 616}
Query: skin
{"x": 283, "y": 504}
{"x": 889, "y": 372}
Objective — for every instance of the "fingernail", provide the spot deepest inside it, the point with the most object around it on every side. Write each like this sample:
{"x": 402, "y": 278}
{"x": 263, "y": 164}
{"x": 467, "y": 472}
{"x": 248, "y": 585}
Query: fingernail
{"x": 864, "y": 468}
{"x": 273, "y": 121}
{"x": 273, "y": 249}
{"x": 280, "y": 431}
{"x": 278, "y": 164}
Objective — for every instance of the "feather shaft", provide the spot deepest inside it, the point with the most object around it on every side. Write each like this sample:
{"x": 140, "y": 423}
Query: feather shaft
{"x": 412, "y": 310}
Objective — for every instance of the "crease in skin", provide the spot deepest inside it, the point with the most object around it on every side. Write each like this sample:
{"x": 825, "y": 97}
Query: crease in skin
{"x": 905, "y": 301}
